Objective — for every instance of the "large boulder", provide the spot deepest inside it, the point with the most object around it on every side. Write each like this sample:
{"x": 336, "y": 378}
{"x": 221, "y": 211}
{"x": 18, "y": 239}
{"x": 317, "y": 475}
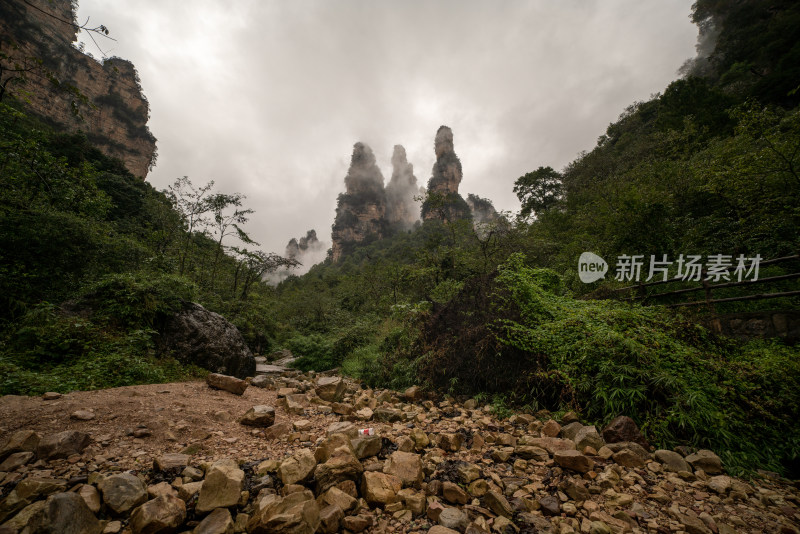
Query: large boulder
{"x": 222, "y": 486}
{"x": 64, "y": 512}
{"x": 204, "y": 338}
{"x": 297, "y": 513}
{"x": 123, "y": 492}
{"x": 162, "y": 514}
{"x": 623, "y": 428}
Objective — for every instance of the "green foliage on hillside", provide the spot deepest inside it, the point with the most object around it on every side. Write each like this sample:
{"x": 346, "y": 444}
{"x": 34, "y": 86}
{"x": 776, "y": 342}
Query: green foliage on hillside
{"x": 93, "y": 262}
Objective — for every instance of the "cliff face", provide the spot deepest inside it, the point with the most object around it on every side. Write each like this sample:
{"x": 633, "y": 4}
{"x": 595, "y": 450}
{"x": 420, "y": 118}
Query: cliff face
{"x": 70, "y": 89}
{"x": 361, "y": 210}
{"x": 444, "y": 202}
{"x": 402, "y": 211}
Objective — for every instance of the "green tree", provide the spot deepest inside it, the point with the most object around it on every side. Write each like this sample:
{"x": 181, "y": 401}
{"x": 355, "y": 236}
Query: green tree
{"x": 539, "y": 191}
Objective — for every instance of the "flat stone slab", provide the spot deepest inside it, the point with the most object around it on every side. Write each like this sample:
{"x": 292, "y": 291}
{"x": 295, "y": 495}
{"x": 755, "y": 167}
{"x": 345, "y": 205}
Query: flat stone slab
{"x": 268, "y": 369}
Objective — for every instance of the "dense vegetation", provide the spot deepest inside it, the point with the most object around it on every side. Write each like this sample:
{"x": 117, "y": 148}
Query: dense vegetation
{"x": 94, "y": 260}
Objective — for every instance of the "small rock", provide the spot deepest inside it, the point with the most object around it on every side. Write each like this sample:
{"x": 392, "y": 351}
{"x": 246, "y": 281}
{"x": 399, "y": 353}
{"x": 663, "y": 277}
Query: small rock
{"x": 62, "y": 445}
{"x": 170, "y": 460}
{"x": 51, "y": 395}
{"x": 705, "y": 460}
{"x": 623, "y": 428}
{"x": 298, "y": 467}
{"x": 406, "y": 466}
{"x": 572, "y": 459}
{"x": 218, "y": 521}
{"x": 330, "y": 388}
{"x": 161, "y": 515}
{"x": 672, "y": 461}
{"x": 551, "y": 428}
{"x": 222, "y": 486}
{"x": 453, "y": 518}
{"x": 82, "y": 415}
{"x": 123, "y": 492}
{"x": 626, "y": 458}
{"x": 453, "y": 494}
{"x": 380, "y": 488}
{"x": 62, "y": 510}
{"x": 16, "y": 460}
{"x": 549, "y": 505}
{"x": 498, "y": 504}
{"x": 259, "y": 416}
{"x": 227, "y": 383}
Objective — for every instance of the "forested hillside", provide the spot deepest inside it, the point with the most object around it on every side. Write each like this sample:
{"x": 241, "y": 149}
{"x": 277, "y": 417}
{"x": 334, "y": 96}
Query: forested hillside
{"x": 93, "y": 261}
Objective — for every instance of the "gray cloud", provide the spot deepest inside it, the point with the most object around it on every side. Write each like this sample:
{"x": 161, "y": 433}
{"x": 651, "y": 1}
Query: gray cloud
{"x": 268, "y": 97}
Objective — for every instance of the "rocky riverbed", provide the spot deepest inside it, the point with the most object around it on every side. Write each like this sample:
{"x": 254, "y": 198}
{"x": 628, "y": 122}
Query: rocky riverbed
{"x": 286, "y": 452}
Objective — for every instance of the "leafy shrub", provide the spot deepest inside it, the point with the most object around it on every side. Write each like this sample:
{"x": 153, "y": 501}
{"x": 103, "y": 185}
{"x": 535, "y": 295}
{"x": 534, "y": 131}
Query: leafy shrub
{"x": 531, "y": 342}
{"x": 139, "y": 299}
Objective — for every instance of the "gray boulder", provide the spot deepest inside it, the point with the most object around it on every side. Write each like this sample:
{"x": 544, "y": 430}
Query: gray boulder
{"x": 204, "y": 338}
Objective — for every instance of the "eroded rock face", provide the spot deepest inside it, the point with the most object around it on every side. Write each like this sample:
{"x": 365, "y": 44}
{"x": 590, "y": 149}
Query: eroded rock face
{"x": 361, "y": 209}
{"x": 204, "y": 338}
{"x": 402, "y": 211}
{"x": 115, "y": 112}
{"x": 444, "y": 202}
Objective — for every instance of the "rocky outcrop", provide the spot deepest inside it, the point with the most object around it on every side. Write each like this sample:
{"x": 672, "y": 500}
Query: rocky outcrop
{"x": 402, "y": 211}
{"x": 482, "y": 209}
{"x": 361, "y": 209}
{"x": 443, "y": 201}
{"x": 206, "y": 339}
{"x": 71, "y": 89}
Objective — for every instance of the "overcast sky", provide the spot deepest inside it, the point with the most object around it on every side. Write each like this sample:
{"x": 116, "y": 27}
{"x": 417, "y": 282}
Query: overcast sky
{"x": 267, "y": 98}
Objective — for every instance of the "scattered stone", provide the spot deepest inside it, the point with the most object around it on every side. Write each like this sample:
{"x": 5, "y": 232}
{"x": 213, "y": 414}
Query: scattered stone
{"x": 20, "y": 441}
{"x": 672, "y": 461}
{"x": 62, "y": 445}
{"x": 367, "y": 446}
{"x": 330, "y": 388}
{"x": 123, "y": 492}
{"x": 588, "y": 437}
{"x": 222, "y": 486}
{"x": 551, "y": 428}
{"x": 449, "y": 442}
{"x": 260, "y": 416}
{"x": 64, "y": 511}
{"x": 51, "y": 395}
{"x": 82, "y": 415}
{"x": 574, "y": 460}
{"x": 91, "y": 497}
{"x": 387, "y": 415}
{"x": 170, "y": 460}
{"x": 162, "y": 514}
{"x": 498, "y": 504}
{"x": 413, "y": 394}
{"x": 226, "y": 383}
{"x": 623, "y": 428}
{"x": 330, "y": 519}
{"x": 16, "y": 460}
{"x": 261, "y": 381}
{"x": 297, "y": 513}
{"x": 453, "y": 518}
{"x": 453, "y": 493}
{"x": 406, "y": 466}
{"x": 627, "y": 458}
{"x": 297, "y": 468}
{"x": 380, "y": 488}
{"x": 705, "y": 460}
{"x": 218, "y": 521}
